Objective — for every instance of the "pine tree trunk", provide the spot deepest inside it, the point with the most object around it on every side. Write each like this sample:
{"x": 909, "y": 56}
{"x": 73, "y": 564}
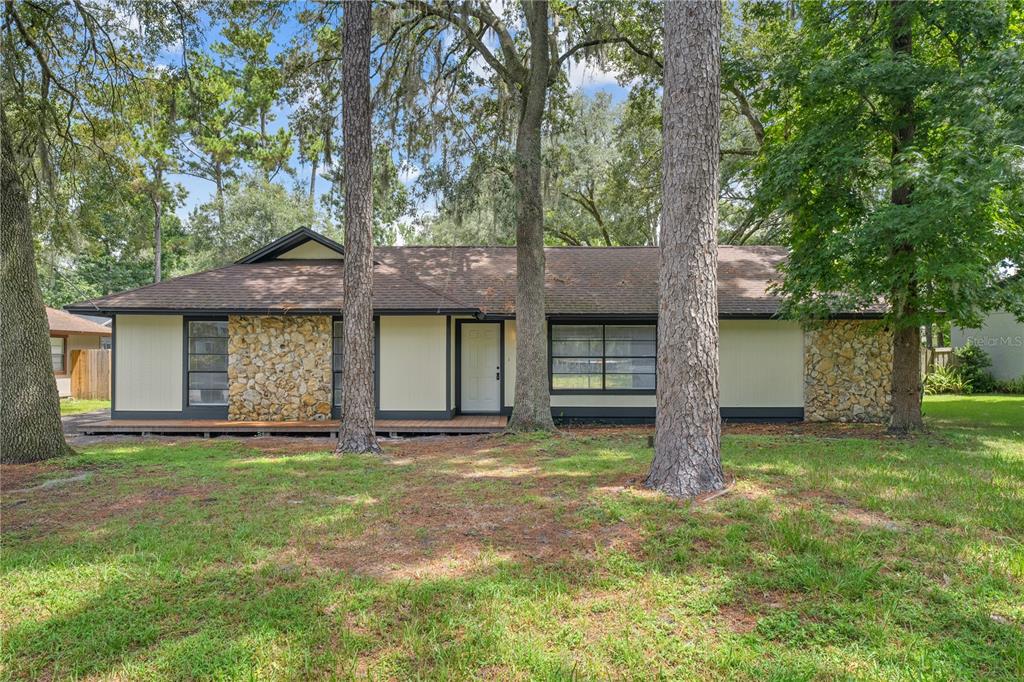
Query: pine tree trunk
{"x": 906, "y": 355}
{"x": 219, "y": 182}
{"x": 532, "y": 410}
{"x": 30, "y": 427}
{"x": 687, "y": 459}
{"x": 357, "y": 399}
{"x": 158, "y": 246}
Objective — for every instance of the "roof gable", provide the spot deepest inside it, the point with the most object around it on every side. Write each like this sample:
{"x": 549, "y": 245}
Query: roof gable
{"x": 300, "y": 244}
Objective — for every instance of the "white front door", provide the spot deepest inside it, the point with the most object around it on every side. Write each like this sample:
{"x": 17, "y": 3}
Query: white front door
{"x": 481, "y": 367}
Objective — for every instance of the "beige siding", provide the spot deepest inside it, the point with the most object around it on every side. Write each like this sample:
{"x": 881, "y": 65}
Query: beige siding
{"x": 412, "y": 363}
{"x": 147, "y": 372}
{"x": 761, "y": 363}
{"x": 510, "y": 362}
{"x": 310, "y": 251}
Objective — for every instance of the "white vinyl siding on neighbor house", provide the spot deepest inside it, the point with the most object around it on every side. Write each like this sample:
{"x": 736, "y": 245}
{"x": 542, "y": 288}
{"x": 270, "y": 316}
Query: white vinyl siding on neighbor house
{"x": 148, "y": 363}
{"x": 1002, "y": 337}
{"x": 412, "y": 363}
{"x": 310, "y": 251}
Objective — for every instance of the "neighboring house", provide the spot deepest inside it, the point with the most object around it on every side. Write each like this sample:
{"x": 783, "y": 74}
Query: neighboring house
{"x": 106, "y": 341}
{"x": 1001, "y": 335}
{"x": 261, "y": 339}
{"x": 67, "y": 333}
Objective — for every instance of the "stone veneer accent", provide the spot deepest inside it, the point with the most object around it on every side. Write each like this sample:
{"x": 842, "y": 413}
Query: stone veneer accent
{"x": 847, "y": 372}
{"x": 279, "y": 367}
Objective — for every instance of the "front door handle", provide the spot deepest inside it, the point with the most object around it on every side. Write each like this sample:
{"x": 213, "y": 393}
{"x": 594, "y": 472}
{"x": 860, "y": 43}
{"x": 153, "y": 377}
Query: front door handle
{"x": 497, "y": 375}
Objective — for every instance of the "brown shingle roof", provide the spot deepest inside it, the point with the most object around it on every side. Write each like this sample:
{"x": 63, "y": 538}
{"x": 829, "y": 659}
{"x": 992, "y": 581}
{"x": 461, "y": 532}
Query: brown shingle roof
{"x": 579, "y": 281}
{"x": 66, "y": 323}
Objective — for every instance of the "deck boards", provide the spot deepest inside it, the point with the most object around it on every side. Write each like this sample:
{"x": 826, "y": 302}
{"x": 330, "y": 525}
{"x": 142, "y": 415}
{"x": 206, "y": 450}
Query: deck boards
{"x": 458, "y": 424}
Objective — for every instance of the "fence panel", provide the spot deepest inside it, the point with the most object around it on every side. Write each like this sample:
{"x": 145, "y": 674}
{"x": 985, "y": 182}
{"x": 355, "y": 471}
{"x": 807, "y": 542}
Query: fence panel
{"x": 90, "y": 374}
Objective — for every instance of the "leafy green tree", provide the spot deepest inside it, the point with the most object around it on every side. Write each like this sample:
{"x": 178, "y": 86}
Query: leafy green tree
{"x": 256, "y": 211}
{"x": 65, "y": 73}
{"x": 895, "y": 151}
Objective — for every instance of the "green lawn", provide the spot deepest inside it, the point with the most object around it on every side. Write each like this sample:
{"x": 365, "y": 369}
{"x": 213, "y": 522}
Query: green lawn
{"x": 530, "y": 557}
{"x": 73, "y": 406}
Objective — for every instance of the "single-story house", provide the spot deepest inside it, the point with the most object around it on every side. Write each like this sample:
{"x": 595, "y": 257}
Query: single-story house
{"x": 1001, "y": 335}
{"x": 68, "y": 333}
{"x": 261, "y": 339}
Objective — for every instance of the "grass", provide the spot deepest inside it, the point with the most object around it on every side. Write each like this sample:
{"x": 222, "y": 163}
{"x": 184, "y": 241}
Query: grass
{"x": 75, "y": 406}
{"x": 529, "y": 557}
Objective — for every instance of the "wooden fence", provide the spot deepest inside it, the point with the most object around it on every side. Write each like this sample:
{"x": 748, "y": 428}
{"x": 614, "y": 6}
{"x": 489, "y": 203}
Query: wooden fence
{"x": 90, "y": 374}
{"x": 935, "y": 357}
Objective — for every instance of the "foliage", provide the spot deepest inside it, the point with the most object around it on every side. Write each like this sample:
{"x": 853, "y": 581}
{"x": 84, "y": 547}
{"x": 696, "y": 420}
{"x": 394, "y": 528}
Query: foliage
{"x": 898, "y": 559}
{"x": 256, "y": 211}
{"x": 830, "y": 165}
{"x": 1012, "y": 386}
{"x": 973, "y": 363}
{"x": 946, "y": 379}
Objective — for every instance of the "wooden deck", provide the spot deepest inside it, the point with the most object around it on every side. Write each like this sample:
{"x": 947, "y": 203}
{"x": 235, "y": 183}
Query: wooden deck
{"x": 461, "y": 424}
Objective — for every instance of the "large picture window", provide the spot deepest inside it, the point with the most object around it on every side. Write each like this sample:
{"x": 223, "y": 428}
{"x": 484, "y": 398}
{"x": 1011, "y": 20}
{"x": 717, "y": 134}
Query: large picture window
{"x": 207, "y": 363}
{"x": 603, "y": 357}
{"x": 58, "y": 356}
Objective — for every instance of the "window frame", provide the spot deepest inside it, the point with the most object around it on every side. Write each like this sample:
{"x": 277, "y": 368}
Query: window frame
{"x": 63, "y": 372}
{"x": 211, "y": 411}
{"x": 603, "y": 322}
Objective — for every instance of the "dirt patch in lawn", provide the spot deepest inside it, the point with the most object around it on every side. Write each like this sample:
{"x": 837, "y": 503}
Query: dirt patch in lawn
{"x": 469, "y": 504}
{"x": 16, "y": 476}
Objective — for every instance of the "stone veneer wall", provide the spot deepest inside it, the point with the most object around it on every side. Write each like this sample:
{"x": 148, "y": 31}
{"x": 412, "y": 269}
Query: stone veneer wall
{"x": 847, "y": 373}
{"x": 279, "y": 367}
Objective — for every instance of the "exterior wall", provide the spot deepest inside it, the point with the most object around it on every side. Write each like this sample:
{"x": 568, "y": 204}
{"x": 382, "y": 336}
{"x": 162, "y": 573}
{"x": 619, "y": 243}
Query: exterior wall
{"x": 310, "y": 251}
{"x": 847, "y": 372}
{"x": 510, "y": 363}
{"x": 761, "y": 363}
{"x": 412, "y": 364}
{"x": 279, "y": 367}
{"x": 1002, "y": 337}
{"x": 148, "y": 363}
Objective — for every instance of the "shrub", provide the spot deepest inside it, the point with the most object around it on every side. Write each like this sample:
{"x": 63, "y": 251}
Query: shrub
{"x": 946, "y": 379}
{"x": 972, "y": 363}
{"x": 1014, "y": 386}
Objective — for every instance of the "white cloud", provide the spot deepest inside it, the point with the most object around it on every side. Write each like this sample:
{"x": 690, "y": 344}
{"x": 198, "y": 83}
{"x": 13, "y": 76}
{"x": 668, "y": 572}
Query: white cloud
{"x": 584, "y": 75}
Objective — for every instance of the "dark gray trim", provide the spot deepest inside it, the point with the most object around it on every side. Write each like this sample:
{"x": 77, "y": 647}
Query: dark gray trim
{"x": 113, "y": 363}
{"x": 647, "y": 414}
{"x": 376, "y": 363}
{"x": 414, "y": 414}
{"x": 762, "y": 414}
{"x": 458, "y": 364}
{"x": 585, "y": 413}
{"x": 289, "y": 242}
{"x": 199, "y": 411}
{"x": 270, "y": 311}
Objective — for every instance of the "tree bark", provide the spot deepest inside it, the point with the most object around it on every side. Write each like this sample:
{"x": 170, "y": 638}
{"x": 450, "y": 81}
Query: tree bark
{"x": 158, "y": 204}
{"x": 30, "y": 427}
{"x": 357, "y": 399}
{"x": 532, "y": 410}
{"x": 906, "y": 355}
{"x": 687, "y": 459}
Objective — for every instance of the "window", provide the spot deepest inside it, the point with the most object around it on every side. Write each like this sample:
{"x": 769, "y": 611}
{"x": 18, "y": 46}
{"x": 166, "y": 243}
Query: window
{"x": 603, "y": 357}
{"x": 207, "y": 363}
{"x": 57, "y": 354}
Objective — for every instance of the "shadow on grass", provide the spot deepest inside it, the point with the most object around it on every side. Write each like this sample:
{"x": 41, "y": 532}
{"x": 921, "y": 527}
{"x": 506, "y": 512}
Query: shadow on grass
{"x": 233, "y": 578}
